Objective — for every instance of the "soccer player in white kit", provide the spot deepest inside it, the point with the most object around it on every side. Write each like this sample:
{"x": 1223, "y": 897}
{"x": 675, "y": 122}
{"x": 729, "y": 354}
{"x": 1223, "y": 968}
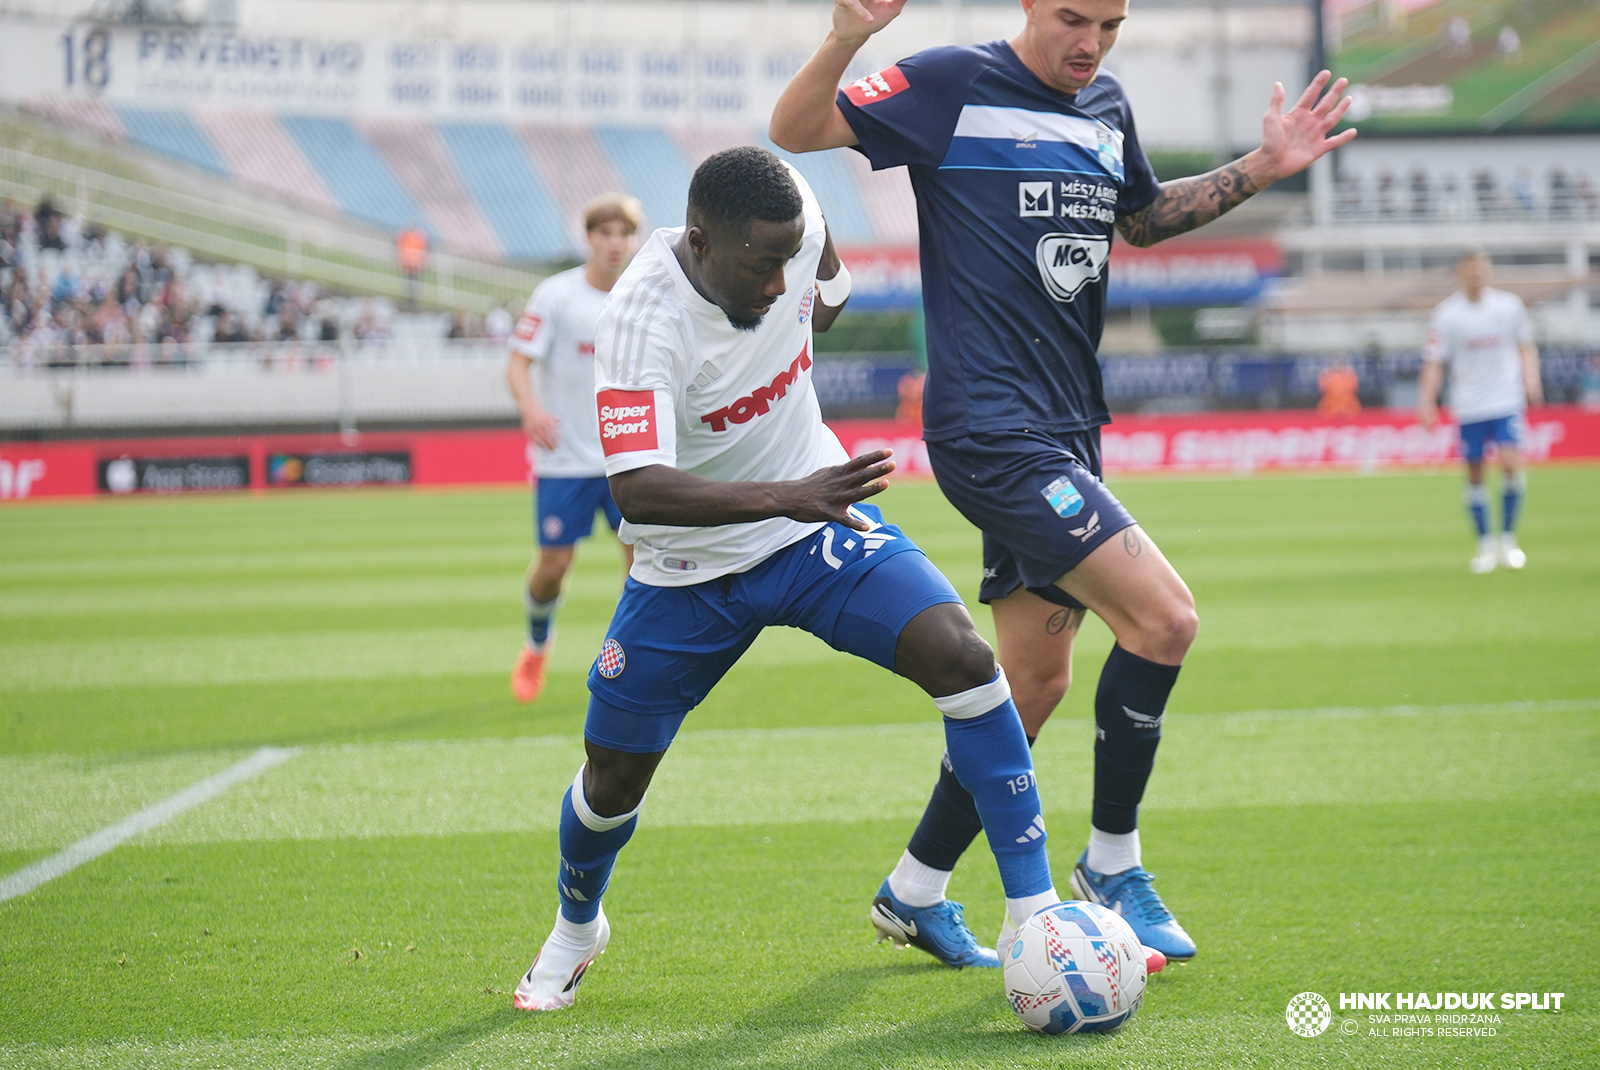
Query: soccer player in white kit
{"x": 1483, "y": 334}
{"x": 746, "y": 513}
{"x": 556, "y": 333}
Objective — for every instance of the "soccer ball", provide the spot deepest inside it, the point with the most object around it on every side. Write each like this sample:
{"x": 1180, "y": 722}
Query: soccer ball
{"x": 1075, "y": 968}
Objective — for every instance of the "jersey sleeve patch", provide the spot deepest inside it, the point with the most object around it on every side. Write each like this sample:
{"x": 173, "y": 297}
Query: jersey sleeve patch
{"x": 627, "y": 420}
{"x": 528, "y": 327}
{"x": 875, "y": 87}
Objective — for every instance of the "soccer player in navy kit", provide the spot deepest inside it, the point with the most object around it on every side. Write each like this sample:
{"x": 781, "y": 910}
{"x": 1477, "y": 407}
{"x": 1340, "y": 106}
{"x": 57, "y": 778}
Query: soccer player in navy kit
{"x": 1024, "y": 157}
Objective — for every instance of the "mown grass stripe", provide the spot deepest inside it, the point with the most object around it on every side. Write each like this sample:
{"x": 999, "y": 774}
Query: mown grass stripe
{"x": 93, "y": 846}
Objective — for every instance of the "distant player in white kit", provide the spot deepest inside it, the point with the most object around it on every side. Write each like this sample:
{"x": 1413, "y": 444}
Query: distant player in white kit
{"x": 556, "y": 332}
{"x": 1485, "y": 337}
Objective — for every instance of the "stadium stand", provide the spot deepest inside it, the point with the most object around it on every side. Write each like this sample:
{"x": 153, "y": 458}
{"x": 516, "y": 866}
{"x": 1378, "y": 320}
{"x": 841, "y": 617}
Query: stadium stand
{"x": 479, "y": 189}
{"x": 173, "y": 133}
{"x": 258, "y": 153}
{"x": 357, "y": 175}
{"x": 421, "y": 161}
{"x": 496, "y": 168}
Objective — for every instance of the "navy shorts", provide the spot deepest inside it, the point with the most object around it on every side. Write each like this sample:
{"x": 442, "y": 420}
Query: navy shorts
{"x": 1476, "y": 436}
{"x": 1037, "y": 498}
{"x": 668, "y": 646}
{"x": 564, "y": 508}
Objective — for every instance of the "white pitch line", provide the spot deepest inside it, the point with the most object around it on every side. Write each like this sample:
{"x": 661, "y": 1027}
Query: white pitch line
{"x": 96, "y": 844}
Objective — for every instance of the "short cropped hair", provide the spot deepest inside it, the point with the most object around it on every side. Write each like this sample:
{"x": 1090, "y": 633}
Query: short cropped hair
{"x": 742, "y": 184}
{"x": 613, "y": 207}
{"x": 1473, "y": 252}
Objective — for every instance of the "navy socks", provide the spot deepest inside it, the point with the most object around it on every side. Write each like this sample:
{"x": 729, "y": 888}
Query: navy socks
{"x": 1129, "y": 707}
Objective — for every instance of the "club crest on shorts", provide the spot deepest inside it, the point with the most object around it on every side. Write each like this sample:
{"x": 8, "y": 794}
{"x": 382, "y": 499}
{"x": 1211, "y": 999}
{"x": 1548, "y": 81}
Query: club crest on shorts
{"x": 1063, "y": 497}
{"x": 612, "y": 659}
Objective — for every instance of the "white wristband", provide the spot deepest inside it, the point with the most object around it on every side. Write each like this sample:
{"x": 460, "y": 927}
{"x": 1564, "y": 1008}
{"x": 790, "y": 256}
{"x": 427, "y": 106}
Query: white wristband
{"x": 836, "y": 290}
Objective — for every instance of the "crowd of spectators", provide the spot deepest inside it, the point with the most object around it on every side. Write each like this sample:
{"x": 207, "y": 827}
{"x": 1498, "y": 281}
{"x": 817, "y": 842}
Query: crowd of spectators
{"x": 72, "y": 292}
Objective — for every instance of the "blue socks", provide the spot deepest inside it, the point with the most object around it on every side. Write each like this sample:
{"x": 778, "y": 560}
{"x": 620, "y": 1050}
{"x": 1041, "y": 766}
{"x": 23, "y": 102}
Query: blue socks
{"x": 989, "y": 756}
{"x": 589, "y": 846}
{"x": 1129, "y": 707}
{"x": 1511, "y": 491}
{"x": 541, "y": 617}
{"x": 1477, "y": 498}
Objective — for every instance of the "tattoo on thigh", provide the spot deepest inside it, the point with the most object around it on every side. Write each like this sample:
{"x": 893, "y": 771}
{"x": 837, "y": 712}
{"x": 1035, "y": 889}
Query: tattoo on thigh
{"x": 1132, "y": 543}
{"x": 1064, "y": 620}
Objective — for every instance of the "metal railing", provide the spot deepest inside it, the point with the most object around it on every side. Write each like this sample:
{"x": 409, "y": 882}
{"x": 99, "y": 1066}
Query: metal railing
{"x": 271, "y": 240}
{"x": 28, "y": 358}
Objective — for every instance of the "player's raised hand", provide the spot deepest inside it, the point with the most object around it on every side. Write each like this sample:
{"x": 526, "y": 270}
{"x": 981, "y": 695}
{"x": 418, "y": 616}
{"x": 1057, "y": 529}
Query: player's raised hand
{"x": 1291, "y": 140}
{"x": 828, "y": 493}
{"x": 857, "y": 19}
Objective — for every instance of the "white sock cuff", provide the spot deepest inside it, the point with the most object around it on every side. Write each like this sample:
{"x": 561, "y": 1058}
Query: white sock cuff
{"x": 591, "y": 820}
{"x": 917, "y": 884}
{"x": 965, "y": 705}
{"x": 1113, "y": 852}
{"x": 1020, "y": 910}
{"x": 540, "y": 610}
{"x": 1517, "y": 483}
{"x": 1476, "y": 494}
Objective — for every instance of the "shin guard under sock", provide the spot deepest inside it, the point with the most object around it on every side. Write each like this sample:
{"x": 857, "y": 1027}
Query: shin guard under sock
{"x": 949, "y": 823}
{"x": 1129, "y": 706}
{"x": 589, "y": 847}
{"x": 989, "y": 756}
{"x": 541, "y": 618}
{"x": 1477, "y": 499}
{"x": 1511, "y": 492}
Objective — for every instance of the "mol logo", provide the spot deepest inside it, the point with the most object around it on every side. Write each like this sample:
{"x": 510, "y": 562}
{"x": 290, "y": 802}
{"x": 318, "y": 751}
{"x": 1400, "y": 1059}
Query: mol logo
{"x": 1035, "y": 200}
{"x": 1069, "y": 262}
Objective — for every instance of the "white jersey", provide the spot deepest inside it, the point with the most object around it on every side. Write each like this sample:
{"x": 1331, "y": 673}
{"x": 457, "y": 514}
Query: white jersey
{"x": 1482, "y": 342}
{"x": 556, "y": 332}
{"x": 676, "y": 384}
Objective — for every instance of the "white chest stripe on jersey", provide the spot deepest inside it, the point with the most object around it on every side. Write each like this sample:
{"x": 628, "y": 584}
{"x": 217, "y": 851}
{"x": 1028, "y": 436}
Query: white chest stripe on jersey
{"x": 1015, "y": 124}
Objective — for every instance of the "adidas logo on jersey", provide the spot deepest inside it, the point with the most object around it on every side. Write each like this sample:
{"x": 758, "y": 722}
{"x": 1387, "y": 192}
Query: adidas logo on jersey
{"x": 759, "y": 402}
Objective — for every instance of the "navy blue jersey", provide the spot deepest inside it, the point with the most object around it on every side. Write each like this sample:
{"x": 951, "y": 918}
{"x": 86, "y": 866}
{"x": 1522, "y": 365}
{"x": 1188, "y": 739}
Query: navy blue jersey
{"x": 1018, "y": 190}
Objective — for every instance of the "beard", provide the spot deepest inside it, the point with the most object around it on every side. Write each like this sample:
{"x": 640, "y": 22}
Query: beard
{"x": 744, "y": 325}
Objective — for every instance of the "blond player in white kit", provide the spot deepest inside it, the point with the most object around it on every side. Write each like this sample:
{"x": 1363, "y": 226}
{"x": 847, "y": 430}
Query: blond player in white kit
{"x": 1483, "y": 334}
{"x": 551, "y": 374}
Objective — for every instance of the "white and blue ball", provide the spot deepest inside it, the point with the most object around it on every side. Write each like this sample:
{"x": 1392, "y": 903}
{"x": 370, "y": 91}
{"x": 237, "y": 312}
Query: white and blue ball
{"x": 1075, "y": 968}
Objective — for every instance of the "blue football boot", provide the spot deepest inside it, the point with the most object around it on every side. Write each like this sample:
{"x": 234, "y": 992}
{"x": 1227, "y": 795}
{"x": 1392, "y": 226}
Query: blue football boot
{"x": 939, "y": 930}
{"x": 1132, "y": 895}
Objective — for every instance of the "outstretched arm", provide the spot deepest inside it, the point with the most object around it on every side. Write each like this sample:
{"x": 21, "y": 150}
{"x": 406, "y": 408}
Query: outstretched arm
{"x": 1290, "y": 142}
{"x": 807, "y": 117}
{"x": 657, "y": 494}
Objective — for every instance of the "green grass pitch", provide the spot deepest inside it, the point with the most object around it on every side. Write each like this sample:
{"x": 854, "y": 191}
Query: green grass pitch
{"x": 1380, "y": 774}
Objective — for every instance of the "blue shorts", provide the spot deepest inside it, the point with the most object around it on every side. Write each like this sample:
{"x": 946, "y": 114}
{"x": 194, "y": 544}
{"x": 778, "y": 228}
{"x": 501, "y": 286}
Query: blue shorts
{"x": 564, "y": 508}
{"x": 1038, "y": 500}
{"x": 668, "y": 646}
{"x": 1476, "y": 436}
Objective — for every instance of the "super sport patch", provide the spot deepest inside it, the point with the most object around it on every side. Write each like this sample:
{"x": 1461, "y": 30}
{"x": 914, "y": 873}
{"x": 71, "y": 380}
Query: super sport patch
{"x": 875, "y": 87}
{"x": 627, "y": 420}
{"x": 528, "y": 327}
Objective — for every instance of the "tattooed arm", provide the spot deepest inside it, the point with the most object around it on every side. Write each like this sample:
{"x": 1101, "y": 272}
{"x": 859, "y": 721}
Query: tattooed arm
{"x": 1290, "y": 141}
{"x": 1186, "y": 203}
